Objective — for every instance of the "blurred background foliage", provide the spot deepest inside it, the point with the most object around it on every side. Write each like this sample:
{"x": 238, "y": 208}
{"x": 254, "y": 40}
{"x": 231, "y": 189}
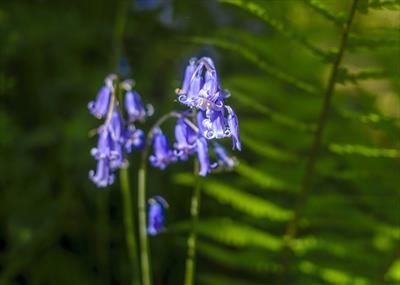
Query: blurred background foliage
{"x": 276, "y": 58}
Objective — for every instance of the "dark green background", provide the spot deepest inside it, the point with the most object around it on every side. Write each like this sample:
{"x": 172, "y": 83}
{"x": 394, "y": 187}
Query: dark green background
{"x": 276, "y": 58}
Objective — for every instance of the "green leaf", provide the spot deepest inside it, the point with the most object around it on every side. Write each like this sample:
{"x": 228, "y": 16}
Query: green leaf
{"x": 260, "y": 12}
{"x": 259, "y": 62}
{"x": 250, "y": 204}
{"x": 364, "y": 150}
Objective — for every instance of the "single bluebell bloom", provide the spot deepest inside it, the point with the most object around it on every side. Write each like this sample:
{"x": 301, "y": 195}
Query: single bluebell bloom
{"x": 115, "y": 125}
{"x": 134, "y": 106}
{"x": 103, "y": 148}
{"x": 99, "y": 107}
{"x": 116, "y": 155}
{"x": 223, "y": 159}
{"x": 188, "y": 76}
{"x": 163, "y": 155}
{"x": 202, "y": 153}
{"x": 185, "y": 136}
{"x": 134, "y": 139}
{"x": 102, "y": 177}
{"x": 234, "y": 128}
{"x": 156, "y": 210}
{"x": 214, "y": 125}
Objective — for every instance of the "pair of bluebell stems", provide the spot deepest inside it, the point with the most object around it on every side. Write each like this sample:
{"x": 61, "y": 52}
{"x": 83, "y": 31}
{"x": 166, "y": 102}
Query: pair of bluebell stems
{"x": 206, "y": 120}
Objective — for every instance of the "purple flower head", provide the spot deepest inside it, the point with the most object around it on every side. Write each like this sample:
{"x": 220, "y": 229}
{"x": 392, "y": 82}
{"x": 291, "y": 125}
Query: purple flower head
{"x": 214, "y": 125}
{"x": 134, "y": 139}
{"x": 202, "y": 153}
{"x": 188, "y": 76}
{"x": 162, "y": 155}
{"x": 116, "y": 155}
{"x": 185, "y": 137}
{"x": 134, "y": 106}
{"x": 102, "y": 177}
{"x": 157, "y": 206}
{"x": 115, "y": 125}
{"x": 103, "y": 145}
{"x": 99, "y": 107}
{"x": 234, "y": 128}
{"x": 223, "y": 159}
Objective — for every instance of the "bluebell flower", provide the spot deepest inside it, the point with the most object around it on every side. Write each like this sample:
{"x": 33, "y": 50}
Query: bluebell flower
{"x": 103, "y": 145}
{"x": 202, "y": 154}
{"x": 116, "y": 125}
{"x": 214, "y": 125}
{"x": 102, "y": 177}
{"x": 188, "y": 76}
{"x": 234, "y": 128}
{"x": 163, "y": 154}
{"x": 100, "y": 106}
{"x": 157, "y": 207}
{"x": 133, "y": 139}
{"x": 223, "y": 159}
{"x": 134, "y": 106}
{"x": 185, "y": 136}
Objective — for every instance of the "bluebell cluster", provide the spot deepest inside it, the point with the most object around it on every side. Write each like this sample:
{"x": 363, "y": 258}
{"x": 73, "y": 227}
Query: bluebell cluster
{"x": 197, "y": 129}
{"x": 116, "y": 136}
{"x": 207, "y": 119}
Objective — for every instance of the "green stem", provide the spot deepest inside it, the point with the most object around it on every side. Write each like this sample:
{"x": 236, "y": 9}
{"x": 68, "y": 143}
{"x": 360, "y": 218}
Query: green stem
{"x": 192, "y": 240}
{"x": 102, "y": 237}
{"x": 292, "y": 226}
{"x": 144, "y": 245}
{"x": 129, "y": 225}
{"x": 119, "y": 28}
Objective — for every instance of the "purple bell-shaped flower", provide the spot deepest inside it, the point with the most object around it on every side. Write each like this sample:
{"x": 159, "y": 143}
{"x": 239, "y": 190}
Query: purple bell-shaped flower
{"x": 157, "y": 206}
{"x": 163, "y": 155}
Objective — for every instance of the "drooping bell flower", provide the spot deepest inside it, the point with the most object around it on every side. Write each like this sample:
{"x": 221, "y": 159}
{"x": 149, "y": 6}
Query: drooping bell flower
{"x": 99, "y": 107}
{"x": 134, "y": 139}
{"x": 202, "y": 154}
{"x": 103, "y": 145}
{"x": 162, "y": 153}
{"x": 116, "y": 125}
{"x": 102, "y": 177}
{"x": 188, "y": 76}
{"x": 185, "y": 136}
{"x": 234, "y": 128}
{"x": 134, "y": 106}
{"x": 223, "y": 159}
{"x": 157, "y": 206}
{"x": 214, "y": 125}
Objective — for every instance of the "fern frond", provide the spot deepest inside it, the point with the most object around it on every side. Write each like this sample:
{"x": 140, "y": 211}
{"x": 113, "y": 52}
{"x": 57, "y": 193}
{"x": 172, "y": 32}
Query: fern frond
{"x": 373, "y": 41}
{"x": 263, "y": 179}
{"x": 231, "y": 233}
{"x": 392, "y": 5}
{"x": 373, "y": 118}
{"x": 212, "y": 279}
{"x": 259, "y": 62}
{"x": 393, "y": 273}
{"x": 331, "y": 275}
{"x": 324, "y": 11}
{"x": 239, "y": 259}
{"x": 274, "y": 116}
{"x": 264, "y": 149}
{"x": 252, "y": 205}
{"x": 364, "y": 150}
{"x": 261, "y": 13}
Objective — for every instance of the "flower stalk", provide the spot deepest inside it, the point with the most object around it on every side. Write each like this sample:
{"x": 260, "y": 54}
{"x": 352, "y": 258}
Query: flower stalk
{"x": 192, "y": 239}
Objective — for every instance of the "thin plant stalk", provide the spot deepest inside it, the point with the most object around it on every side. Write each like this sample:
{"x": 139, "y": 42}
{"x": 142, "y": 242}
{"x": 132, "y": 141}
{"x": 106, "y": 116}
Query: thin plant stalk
{"x": 144, "y": 243}
{"x": 129, "y": 225}
{"x": 190, "y": 266}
